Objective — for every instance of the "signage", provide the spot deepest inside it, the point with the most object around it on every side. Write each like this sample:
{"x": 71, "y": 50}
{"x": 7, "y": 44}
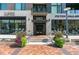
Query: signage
{"x": 71, "y": 16}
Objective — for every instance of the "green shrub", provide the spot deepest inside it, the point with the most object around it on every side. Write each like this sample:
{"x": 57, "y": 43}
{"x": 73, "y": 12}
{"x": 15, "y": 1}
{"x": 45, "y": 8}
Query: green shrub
{"x": 59, "y": 42}
{"x": 23, "y": 39}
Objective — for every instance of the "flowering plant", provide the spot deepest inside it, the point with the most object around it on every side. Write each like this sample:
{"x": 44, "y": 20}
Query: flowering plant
{"x": 21, "y": 39}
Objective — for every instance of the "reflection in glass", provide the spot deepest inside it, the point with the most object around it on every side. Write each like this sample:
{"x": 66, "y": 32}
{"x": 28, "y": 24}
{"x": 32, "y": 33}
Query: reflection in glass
{"x": 39, "y": 8}
{"x": 73, "y": 27}
{"x": 11, "y": 26}
{"x": 58, "y": 25}
{"x": 5, "y": 26}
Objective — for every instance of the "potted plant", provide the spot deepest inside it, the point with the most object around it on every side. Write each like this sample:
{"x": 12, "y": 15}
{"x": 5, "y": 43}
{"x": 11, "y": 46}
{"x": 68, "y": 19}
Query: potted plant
{"x": 21, "y": 39}
{"x": 59, "y": 40}
{"x": 18, "y": 39}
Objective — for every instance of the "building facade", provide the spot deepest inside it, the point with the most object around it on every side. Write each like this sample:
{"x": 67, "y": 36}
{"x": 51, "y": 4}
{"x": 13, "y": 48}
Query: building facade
{"x": 37, "y": 19}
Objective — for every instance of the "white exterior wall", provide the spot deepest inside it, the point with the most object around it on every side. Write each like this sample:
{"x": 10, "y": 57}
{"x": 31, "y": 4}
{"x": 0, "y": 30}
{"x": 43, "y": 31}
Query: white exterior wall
{"x": 48, "y": 23}
{"x": 29, "y": 24}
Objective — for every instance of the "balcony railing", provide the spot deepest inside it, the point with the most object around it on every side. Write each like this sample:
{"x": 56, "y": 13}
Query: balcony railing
{"x": 39, "y": 10}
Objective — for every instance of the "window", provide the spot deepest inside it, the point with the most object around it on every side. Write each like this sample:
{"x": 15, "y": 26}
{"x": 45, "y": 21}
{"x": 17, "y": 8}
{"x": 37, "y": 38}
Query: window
{"x": 54, "y": 4}
{"x": 73, "y": 27}
{"x": 77, "y": 11}
{"x": 56, "y": 8}
{"x": 59, "y": 9}
{"x": 39, "y": 8}
{"x": 4, "y": 6}
{"x": 23, "y": 5}
{"x": 11, "y": 25}
{"x": 58, "y": 25}
{"x": 18, "y": 6}
{"x": 5, "y": 26}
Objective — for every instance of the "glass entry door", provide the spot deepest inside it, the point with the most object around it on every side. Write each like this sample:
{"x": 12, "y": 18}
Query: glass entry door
{"x": 39, "y": 29}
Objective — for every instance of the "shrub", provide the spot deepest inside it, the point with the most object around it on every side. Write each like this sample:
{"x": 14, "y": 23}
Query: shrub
{"x": 59, "y": 41}
{"x": 21, "y": 39}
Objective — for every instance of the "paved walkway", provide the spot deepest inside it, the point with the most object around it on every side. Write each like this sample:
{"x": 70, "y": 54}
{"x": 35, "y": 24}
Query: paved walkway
{"x": 9, "y": 48}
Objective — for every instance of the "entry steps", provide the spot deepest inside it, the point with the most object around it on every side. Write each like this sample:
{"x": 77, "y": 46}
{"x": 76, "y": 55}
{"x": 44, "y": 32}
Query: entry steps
{"x": 39, "y": 43}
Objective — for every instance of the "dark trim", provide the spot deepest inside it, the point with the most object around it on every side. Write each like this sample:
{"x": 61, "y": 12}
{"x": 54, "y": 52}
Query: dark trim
{"x": 13, "y": 17}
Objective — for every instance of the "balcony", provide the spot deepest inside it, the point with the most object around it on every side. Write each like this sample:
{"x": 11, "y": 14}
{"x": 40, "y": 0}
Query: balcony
{"x": 39, "y": 9}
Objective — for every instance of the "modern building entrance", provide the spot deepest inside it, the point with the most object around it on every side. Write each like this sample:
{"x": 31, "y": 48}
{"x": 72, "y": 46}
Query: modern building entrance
{"x": 39, "y": 25}
{"x": 39, "y": 29}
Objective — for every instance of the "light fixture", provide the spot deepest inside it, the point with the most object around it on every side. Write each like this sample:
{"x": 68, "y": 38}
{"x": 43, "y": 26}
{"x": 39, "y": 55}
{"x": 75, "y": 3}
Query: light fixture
{"x": 66, "y": 9}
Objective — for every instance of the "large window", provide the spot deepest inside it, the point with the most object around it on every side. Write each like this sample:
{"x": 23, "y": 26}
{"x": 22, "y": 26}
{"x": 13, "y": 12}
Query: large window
{"x": 73, "y": 27}
{"x": 58, "y": 25}
{"x": 39, "y": 8}
{"x": 14, "y": 6}
{"x": 56, "y": 8}
{"x": 23, "y": 5}
{"x": 12, "y": 25}
{"x": 4, "y": 6}
{"x": 5, "y": 26}
{"x": 18, "y": 6}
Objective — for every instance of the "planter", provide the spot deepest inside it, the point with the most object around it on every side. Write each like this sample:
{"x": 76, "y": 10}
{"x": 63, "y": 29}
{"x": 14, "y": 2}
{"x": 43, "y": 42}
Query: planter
{"x": 59, "y": 40}
{"x": 21, "y": 39}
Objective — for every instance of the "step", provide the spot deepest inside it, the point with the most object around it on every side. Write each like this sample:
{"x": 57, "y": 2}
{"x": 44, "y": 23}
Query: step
{"x": 39, "y": 40}
{"x": 39, "y": 43}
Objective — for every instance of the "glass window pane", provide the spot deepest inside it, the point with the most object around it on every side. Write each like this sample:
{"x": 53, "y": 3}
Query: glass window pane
{"x": 23, "y": 6}
{"x": 54, "y": 4}
{"x": 12, "y": 27}
{"x": 77, "y": 11}
{"x": 71, "y": 12}
{"x": 5, "y": 27}
{"x": 59, "y": 3}
{"x": 54, "y": 9}
{"x": 59, "y": 9}
{"x": 18, "y": 6}
{"x": 4, "y": 6}
{"x": 73, "y": 27}
{"x": 58, "y": 25}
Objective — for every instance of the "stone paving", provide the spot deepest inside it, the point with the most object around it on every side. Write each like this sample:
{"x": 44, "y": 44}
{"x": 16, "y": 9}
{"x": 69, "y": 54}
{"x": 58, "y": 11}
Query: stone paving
{"x": 10, "y": 49}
